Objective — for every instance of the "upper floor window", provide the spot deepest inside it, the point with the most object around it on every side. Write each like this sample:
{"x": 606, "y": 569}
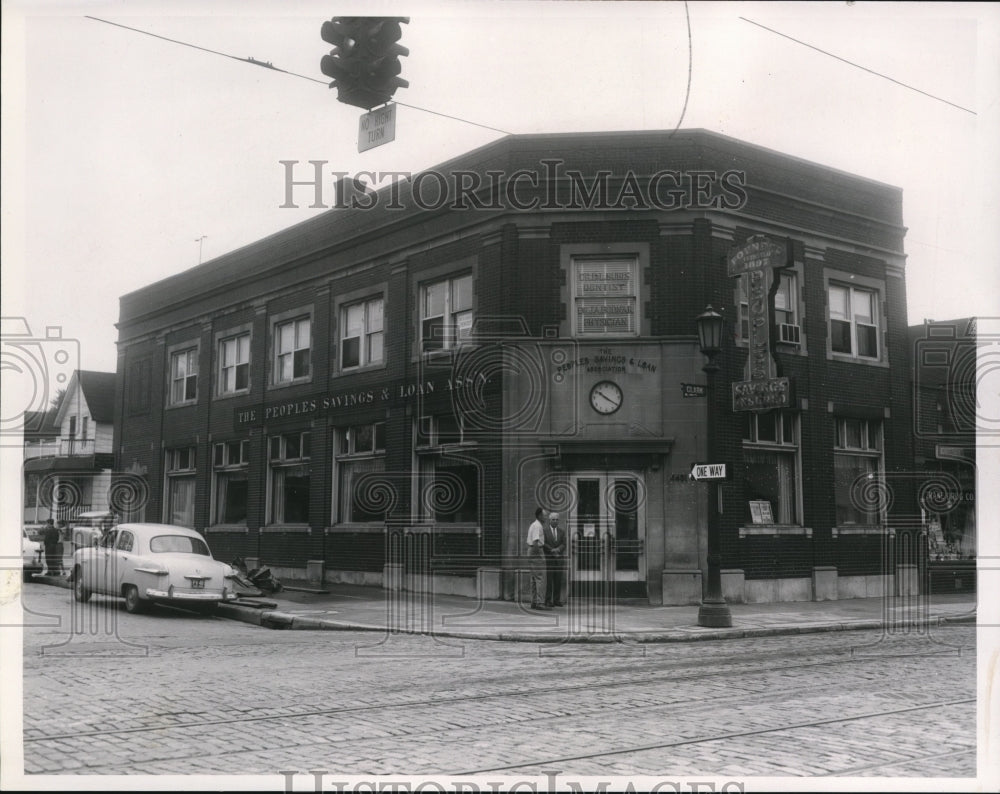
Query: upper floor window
{"x": 853, "y": 321}
{"x": 137, "y": 386}
{"x": 292, "y": 342}
{"x": 361, "y": 334}
{"x": 770, "y": 457}
{"x": 234, "y": 364}
{"x": 786, "y": 302}
{"x": 857, "y": 463}
{"x": 446, "y": 312}
{"x": 605, "y": 297}
{"x": 184, "y": 376}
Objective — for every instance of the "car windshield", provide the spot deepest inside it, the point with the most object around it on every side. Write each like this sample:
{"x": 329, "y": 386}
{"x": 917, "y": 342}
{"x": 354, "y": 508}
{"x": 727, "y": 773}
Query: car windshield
{"x": 178, "y": 544}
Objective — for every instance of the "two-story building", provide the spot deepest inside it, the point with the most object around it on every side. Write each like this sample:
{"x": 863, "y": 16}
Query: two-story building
{"x": 68, "y": 459}
{"x": 946, "y": 417}
{"x": 385, "y": 392}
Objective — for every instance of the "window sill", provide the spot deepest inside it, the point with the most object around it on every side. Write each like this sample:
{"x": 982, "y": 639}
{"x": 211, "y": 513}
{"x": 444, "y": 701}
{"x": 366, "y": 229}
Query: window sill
{"x": 348, "y": 528}
{"x": 774, "y": 529}
{"x": 288, "y": 383}
{"x": 444, "y": 449}
{"x": 458, "y": 528}
{"x": 231, "y": 394}
{"x": 863, "y": 529}
{"x": 275, "y": 528}
{"x": 849, "y": 359}
{"x": 228, "y": 528}
{"x": 185, "y": 404}
{"x": 345, "y": 371}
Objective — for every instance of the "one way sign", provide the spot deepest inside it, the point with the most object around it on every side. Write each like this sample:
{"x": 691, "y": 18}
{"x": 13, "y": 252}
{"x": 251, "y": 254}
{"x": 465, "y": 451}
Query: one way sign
{"x": 708, "y": 471}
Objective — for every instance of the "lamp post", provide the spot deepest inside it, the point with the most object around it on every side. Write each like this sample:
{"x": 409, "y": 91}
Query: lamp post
{"x": 714, "y": 611}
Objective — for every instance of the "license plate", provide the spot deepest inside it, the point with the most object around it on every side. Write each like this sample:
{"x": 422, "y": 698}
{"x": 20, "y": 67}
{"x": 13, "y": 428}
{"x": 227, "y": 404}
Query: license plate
{"x": 197, "y": 584}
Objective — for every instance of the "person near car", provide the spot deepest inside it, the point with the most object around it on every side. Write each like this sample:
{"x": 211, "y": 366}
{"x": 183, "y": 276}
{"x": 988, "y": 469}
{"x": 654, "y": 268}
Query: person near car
{"x": 52, "y": 540}
{"x": 536, "y": 559}
{"x": 555, "y": 561}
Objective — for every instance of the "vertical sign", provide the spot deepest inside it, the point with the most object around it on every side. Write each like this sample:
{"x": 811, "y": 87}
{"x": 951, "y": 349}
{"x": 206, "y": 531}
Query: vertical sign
{"x": 377, "y": 127}
{"x": 756, "y": 260}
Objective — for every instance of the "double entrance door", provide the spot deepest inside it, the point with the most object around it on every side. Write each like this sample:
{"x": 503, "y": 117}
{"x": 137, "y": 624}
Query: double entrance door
{"x": 607, "y": 534}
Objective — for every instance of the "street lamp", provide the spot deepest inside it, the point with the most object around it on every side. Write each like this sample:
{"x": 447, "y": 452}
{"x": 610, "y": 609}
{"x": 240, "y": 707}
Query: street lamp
{"x": 714, "y": 611}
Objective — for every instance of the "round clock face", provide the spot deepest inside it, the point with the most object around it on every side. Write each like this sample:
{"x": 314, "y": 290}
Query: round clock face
{"x": 606, "y": 397}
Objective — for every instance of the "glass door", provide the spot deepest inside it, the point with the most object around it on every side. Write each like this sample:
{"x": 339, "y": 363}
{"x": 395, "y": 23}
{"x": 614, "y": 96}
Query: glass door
{"x": 607, "y": 532}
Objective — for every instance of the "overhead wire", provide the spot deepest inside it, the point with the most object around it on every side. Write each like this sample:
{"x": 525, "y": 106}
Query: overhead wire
{"x": 857, "y": 65}
{"x": 272, "y": 67}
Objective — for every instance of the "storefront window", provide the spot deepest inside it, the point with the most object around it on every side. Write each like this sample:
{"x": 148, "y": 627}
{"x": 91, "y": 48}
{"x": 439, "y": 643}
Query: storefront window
{"x": 288, "y": 461}
{"x": 359, "y": 457}
{"x": 180, "y": 486}
{"x": 857, "y": 465}
{"x": 230, "y": 465}
{"x": 448, "y": 487}
{"x": 770, "y": 460}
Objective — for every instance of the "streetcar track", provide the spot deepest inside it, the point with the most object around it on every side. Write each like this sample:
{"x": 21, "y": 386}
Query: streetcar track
{"x": 670, "y": 678}
{"x": 855, "y": 770}
{"x": 457, "y": 701}
{"x": 706, "y": 739}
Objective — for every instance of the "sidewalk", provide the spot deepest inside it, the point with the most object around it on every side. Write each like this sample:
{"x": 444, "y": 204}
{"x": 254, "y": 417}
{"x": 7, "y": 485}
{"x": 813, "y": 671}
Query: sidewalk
{"x": 355, "y": 608}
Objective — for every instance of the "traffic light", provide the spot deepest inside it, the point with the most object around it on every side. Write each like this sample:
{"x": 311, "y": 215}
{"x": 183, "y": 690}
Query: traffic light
{"x": 364, "y": 62}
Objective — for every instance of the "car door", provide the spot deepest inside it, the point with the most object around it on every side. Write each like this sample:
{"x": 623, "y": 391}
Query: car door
{"x": 123, "y": 560}
{"x": 100, "y": 565}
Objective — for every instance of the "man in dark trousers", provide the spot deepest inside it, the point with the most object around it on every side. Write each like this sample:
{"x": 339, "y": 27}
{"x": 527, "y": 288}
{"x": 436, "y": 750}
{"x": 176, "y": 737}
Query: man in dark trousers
{"x": 52, "y": 540}
{"x": 555, "y": 561}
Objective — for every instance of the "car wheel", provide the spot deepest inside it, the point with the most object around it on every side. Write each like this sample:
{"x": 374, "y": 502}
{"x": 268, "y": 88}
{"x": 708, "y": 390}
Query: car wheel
{"x": 134, "y": 605}
{"x": 80, "y": 593}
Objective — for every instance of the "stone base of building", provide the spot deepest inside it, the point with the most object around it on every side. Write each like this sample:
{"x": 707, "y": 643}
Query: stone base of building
{"x": 824, "y": 583}
{"x": 681, "y": 588}
{"x": 870, "y": 586}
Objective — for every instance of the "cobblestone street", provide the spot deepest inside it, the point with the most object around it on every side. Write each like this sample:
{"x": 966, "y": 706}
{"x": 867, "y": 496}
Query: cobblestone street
{"x": 178, "y": 693}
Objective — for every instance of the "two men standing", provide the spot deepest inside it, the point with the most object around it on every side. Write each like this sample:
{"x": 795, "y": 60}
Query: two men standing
{"x": 547, "y": 560}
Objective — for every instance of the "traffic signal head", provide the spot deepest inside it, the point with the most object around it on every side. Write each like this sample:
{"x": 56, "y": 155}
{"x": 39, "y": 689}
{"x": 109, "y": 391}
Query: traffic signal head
{"x": 364, "y": 63}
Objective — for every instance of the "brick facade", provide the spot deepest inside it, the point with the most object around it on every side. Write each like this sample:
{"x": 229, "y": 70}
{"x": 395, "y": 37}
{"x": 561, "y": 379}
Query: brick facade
{"x": 531, "y": 432}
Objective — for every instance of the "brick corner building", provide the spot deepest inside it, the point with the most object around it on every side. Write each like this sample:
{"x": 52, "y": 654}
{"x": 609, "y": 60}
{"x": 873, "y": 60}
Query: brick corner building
{"x": 384, "y": 393}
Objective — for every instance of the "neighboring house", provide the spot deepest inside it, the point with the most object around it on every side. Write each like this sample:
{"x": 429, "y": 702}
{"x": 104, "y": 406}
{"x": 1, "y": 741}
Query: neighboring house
{"x": 388, "y": 392}
{"x": 945, "y": 422}
{"x": 69, "y": 459}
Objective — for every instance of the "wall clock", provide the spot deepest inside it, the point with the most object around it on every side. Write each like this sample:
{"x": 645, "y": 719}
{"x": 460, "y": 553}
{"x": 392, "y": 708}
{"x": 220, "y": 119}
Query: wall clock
{"x": 606, "y": 397}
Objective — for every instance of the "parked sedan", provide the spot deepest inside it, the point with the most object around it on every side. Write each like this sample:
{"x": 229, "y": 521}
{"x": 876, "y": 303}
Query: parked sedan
{"x": 31, "y": 555}
{"x": 147, "y": 563}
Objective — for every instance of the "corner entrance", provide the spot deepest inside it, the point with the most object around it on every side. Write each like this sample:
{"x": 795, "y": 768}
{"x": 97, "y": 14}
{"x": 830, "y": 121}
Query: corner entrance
{"x": 607, "y": 534}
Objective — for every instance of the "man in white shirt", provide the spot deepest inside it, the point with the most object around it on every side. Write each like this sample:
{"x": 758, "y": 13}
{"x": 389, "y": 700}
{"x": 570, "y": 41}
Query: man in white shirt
{"x": 536, "y": 559}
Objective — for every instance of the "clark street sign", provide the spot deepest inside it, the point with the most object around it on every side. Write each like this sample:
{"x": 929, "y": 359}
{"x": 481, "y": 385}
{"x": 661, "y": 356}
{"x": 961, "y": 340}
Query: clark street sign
{"x": 708, "y": 471}
{"x": 376, "y": 128}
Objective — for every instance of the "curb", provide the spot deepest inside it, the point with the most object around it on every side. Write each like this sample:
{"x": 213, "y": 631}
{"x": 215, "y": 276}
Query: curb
{"x": 275, "y": 619}
{"x": 279, "y": 621}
